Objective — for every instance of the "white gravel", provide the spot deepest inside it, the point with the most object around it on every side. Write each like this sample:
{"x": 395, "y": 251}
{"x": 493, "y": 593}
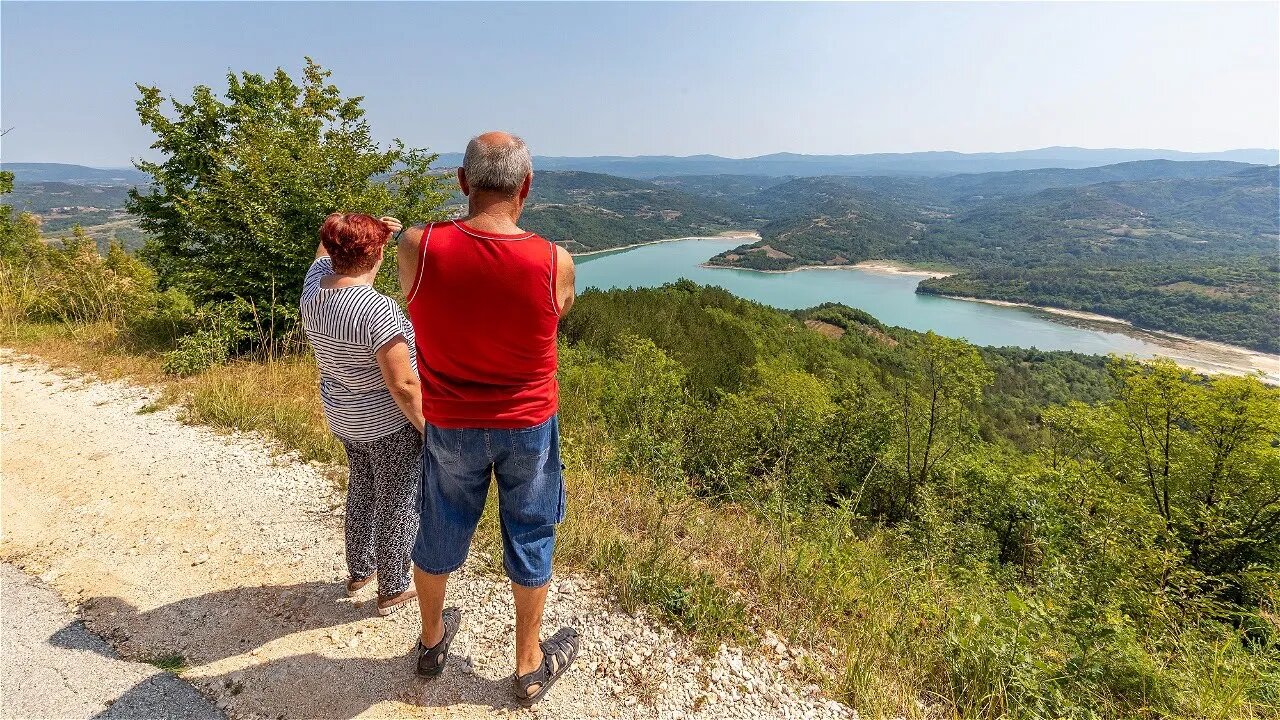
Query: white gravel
{"x": 175, "y": 539}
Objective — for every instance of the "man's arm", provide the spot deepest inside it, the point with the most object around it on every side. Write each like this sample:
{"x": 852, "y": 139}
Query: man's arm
{"x": 565, "y": 291}
{"x": 408, "y": 250}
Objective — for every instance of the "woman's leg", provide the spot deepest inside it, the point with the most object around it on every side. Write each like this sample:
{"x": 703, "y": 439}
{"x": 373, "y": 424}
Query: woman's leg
{"x": 396, "y": 470}
{"x": 359, "y": 518}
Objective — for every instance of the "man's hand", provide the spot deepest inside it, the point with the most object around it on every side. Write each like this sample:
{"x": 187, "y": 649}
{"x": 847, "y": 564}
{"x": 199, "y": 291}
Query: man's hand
{"x": 392, "y": 223}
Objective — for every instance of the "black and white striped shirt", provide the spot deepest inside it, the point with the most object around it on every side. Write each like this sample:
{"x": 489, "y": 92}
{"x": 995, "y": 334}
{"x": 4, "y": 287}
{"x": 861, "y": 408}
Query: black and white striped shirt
{"x": 345, "y": 327}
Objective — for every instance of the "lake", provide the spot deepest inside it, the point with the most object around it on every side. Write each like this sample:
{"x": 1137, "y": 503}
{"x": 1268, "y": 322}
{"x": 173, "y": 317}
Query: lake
{"x": 892, "y": 299}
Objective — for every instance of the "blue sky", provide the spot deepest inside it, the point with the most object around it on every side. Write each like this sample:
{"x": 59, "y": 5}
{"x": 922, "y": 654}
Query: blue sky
{"x": 671, "y": 78}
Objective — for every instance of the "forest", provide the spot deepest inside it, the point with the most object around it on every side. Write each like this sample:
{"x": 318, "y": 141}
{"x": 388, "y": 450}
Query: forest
{"x": 949, "y": 530}
{"x": 587, "y": 211}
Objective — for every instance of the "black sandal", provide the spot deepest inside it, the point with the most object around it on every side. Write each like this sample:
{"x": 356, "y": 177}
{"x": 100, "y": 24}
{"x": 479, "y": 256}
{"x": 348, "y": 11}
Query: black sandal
{"x": 431, "y": 660}
{"x": 558, "y": 653}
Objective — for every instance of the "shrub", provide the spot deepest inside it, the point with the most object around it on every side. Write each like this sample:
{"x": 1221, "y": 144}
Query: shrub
{"x": 221, "y": 329}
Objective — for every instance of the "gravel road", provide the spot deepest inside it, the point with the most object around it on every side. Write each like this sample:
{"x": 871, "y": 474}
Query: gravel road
{"x": 172, "y": 540}
{"x": 52, "y": 667}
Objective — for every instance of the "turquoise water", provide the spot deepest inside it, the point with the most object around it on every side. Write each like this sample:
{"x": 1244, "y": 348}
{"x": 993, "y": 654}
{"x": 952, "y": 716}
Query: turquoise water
{"x": 890, "y": 298}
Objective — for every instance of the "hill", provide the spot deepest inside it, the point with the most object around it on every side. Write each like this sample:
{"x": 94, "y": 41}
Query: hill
{"x": 98, "y": 207}
{"x": 1182, "y": 247}
{"x": 588, "y": 211}
{"x": 79, "y": 174}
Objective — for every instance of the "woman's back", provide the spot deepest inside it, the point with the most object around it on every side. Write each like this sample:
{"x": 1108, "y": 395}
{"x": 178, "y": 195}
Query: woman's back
{"x": 346, "y": 326}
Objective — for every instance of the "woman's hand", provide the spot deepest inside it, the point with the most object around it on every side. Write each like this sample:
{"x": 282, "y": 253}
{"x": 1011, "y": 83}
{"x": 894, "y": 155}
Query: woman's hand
{"x": 392, "y": 223}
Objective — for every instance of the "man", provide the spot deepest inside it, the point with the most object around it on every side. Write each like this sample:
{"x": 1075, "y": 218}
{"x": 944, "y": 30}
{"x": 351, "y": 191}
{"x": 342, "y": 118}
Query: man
{"x": 484, "y": 298}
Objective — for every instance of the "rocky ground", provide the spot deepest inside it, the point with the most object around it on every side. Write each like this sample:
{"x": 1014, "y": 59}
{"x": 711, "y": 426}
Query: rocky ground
{"x": 177, "y": 544}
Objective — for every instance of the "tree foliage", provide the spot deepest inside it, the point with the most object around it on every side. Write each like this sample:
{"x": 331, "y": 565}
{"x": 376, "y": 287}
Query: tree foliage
{"x": 246, "y": 179}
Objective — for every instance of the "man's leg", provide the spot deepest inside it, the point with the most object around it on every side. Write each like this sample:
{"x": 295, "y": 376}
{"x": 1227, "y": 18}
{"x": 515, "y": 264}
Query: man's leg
{"x": 530, "y": 505}
{"x": 455, "y": 481}
{"x": 529, "y": 604}
{"x": 430, "y": 604}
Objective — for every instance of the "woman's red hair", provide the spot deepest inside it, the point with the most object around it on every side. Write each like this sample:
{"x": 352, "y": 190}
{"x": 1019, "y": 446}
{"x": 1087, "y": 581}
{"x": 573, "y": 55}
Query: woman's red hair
{"x": 353, "y": 240}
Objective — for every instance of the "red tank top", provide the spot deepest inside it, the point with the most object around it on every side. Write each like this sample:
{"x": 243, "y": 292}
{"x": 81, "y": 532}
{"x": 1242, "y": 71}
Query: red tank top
{"x": 484, "y": 313}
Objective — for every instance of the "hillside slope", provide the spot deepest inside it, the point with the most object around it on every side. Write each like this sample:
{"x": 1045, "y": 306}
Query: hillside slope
{"x": 1170, "y": 247}
{"x": 588, "y": 211}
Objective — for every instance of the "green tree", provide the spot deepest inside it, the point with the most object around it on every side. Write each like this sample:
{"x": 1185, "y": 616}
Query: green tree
{"x": 1202, "y": 454}
{"x": 646, "y": 408}
{"x": 939, "y": 400}
{"x": 246, "y": 180}
{"x": 18, "y": 232}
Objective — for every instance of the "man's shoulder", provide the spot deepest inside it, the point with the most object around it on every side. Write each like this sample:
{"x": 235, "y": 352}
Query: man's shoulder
{"x": 415, "y": 234}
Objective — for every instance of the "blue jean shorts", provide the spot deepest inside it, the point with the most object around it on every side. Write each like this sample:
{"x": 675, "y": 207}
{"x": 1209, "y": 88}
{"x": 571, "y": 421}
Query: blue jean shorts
{"x": 456, "y": 468}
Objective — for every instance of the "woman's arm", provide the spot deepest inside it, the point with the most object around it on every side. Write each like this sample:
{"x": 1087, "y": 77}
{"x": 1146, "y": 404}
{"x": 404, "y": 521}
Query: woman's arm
{"x": 397, "y": 372}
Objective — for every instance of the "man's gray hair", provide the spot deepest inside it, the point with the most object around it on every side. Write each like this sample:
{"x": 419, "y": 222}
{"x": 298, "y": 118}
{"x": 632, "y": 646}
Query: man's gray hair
{"x": 499, "y": 166}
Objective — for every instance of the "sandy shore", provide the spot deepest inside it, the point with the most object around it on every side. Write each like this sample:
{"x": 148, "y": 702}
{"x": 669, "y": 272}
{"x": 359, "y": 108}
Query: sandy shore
{"x": 892, "y": 268}
{"x": 879, "y": 267}
{"x": 1078, "y": 314}
{"x": 729, "y": 235}
{"x": 1205, "y": 355}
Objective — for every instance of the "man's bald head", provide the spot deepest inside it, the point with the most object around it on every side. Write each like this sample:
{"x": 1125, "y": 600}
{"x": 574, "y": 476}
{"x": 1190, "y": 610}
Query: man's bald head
{"x": 497, "y": 161}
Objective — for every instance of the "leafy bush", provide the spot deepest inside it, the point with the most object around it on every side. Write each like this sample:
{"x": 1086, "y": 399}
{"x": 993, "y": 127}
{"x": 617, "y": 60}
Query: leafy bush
{"x": 221, "y": 328}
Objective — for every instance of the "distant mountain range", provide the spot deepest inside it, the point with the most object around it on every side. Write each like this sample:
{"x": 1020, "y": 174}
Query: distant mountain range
{"x": 1171, "y": 244}
{"x": 775, "y": 165}
{"x": 918, "y": 163}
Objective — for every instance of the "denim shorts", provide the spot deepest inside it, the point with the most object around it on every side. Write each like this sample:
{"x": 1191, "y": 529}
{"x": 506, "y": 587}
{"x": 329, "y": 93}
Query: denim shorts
{"x": 456, "y": 467}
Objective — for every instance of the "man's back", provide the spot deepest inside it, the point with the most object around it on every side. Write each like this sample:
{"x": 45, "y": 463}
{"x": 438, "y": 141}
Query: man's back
{"x": 484, "y": 299}
{"x": 484, "y": 309}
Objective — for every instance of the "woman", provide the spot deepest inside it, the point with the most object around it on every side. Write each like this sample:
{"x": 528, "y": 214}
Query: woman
{"x": 372, "y": 401}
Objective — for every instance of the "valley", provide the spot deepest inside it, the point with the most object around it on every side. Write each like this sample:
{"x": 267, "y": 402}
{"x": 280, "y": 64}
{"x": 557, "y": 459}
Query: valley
{"x": 1186, "y": 247}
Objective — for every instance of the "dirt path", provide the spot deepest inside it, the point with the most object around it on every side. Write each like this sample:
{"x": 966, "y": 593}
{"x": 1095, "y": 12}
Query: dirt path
{"x": 51, "y": 666}
{"x": 175, "y": 541}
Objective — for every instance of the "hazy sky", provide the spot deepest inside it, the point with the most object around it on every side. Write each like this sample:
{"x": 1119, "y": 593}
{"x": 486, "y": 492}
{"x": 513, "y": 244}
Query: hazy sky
{"x": 622, "y": 78}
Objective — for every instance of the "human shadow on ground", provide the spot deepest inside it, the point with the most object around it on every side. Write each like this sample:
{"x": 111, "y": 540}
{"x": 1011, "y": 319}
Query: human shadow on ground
{"x": 158, "y": 696}
{"x": 327, "y": 679}
{"x": 318, "y": 686}
{"x": 218, "y": 625}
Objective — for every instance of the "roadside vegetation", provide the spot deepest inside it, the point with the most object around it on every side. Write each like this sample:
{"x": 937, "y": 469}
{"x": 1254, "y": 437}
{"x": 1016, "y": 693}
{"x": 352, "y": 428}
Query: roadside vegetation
{"x": 949, "y": 531}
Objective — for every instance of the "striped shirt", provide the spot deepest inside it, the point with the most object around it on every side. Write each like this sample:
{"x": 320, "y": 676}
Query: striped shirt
{"x": 345, "y": 327}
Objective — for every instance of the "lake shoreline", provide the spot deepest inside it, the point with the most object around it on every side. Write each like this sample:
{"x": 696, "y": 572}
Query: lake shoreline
{"x": 1236, "y": 358}
{"x": 876, "y": 292}
{"x": 728, "y": 235}
{"x": 880, "y": 267}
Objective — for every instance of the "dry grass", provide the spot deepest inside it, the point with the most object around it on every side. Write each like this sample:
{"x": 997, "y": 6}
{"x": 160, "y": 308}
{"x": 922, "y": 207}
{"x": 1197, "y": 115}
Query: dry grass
{"x": 86, "y": 348}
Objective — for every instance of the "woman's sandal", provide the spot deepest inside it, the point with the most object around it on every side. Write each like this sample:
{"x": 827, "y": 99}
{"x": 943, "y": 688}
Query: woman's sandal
{"x": 388, "y": 605}
{"x": 353, "y": 586}
{"x": 431, "y": 660}
{"x": 558, "y": 653}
